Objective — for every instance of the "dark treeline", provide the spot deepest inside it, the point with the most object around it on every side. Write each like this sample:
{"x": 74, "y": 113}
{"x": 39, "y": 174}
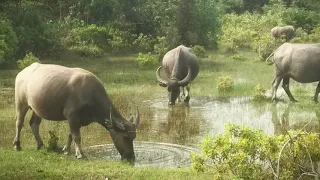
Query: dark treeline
{"x": 93, "y": 27}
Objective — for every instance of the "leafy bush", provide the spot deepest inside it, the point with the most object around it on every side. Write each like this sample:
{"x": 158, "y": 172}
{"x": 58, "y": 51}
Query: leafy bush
{"x": 259, "y": 93}
{"x": 87, "y": 50}
{"x": 224, "y": 84}
{"x": 251, "y": 154}
{"x": 144, "y": 43}
{"x": 161, "y": 48}
{"x": 8, "y": 42}
{"x": 88, "y": 40}
{"x": 265, "y": 45}
{"x": 27, "y": 61}
{"x": 122, "y": 36}
{"x": 146, "y": 60}
{"x": 199, "y": 51}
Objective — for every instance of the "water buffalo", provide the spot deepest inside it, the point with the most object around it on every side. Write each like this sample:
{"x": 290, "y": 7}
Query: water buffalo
{"x": 180, "y": 67}
{"x": 300, "y": 62}
{"x": 60, "y": 93}
{"x": 288, "y": 31}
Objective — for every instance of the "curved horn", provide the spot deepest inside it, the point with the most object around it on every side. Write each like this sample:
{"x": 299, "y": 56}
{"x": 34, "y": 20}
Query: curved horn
{"x": 137, "y": 119}
{"x": 187, "y": 79}
{"x": 161, "y": 81}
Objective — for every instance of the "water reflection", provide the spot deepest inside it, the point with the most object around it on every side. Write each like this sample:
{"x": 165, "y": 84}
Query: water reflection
{"x": 281, "y": 122}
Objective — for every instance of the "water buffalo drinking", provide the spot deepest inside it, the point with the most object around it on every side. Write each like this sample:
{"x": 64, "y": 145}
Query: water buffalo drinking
{"x": 60, "y": 93}
{"x": 180, "y": 67}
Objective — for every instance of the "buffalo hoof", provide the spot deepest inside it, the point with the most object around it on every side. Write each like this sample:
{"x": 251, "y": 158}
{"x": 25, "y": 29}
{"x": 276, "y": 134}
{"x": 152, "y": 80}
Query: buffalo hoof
{"x": 17, "y": 146}
{"x": 171, "y": 103}
{"x": 81, "y": 156}
{"x": 40, "y": 146}
{"x": 187, "y": 99}
{"x": 65, "y": 150}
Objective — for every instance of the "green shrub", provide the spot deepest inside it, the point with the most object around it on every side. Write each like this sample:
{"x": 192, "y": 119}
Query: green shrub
{"x": 265, "y": 45}
{"x": 146, "y": 60}
{"x": 243, "y": 153}
{"x": 259, "y": 93}
{"x": 161, "y": 48}
{"x": 199, "y": 51}
{"x": 144, "y": 43}
{"x": 224, "y": 84}
{"x": 87, "y": 50}
{"x": 8, "y": 42}
{"x": 27, "y": 61}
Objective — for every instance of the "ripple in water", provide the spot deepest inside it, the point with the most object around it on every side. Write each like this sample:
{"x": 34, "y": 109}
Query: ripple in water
{"x": 147, "y": 154}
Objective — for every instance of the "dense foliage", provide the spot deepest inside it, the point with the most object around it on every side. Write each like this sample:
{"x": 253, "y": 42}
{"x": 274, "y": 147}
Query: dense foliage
{"x": 97, "y": 27}
{"x": 243, "y": 153}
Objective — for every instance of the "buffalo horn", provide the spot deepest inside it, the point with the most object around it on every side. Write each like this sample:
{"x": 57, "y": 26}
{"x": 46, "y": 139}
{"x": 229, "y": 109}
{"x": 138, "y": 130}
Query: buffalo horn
{"x": 161, "y": 81}
{"x": 186, "y": 80}
{"x": 137, "y": 119}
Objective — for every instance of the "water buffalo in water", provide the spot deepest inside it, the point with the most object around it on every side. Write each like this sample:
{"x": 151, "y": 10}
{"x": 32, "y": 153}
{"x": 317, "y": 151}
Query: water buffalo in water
{"x": 180, "y": 66}
{"x": 60, "y": 93}
{"x": 300, "y": 62}
{"x": 288, "y": 31}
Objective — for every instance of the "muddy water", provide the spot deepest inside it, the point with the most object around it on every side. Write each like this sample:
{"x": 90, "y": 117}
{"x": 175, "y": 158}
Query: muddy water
{"x": 172, "y": 131}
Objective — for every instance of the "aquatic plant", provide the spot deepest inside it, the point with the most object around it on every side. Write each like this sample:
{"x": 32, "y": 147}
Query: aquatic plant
{"x": 224, "y": 84}
{"x": 259, "y": 93}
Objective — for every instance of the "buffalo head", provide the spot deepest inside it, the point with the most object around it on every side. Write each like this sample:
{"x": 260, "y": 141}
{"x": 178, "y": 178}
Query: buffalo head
{"x": 123, "y": 133}
{"x": 173, "y": 84}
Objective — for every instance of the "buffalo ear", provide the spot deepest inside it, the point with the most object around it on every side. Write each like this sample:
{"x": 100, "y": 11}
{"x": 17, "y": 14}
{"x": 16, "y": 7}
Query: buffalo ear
{"x": 121, "y": 126}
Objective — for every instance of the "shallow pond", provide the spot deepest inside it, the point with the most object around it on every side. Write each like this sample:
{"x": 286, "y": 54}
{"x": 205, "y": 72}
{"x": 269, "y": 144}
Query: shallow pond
{"x": 168, "y": 135}
{"x": 188, "y": 125}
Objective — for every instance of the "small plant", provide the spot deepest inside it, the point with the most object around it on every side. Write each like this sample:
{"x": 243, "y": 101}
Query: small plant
{"x": 199, "y": 51}
{"x": 27, "y": 61}
{"x": 52, "y": 142}
{"x": 146, "y": 60}
{"x": 224, "y": 84}
{"x": 239, "y": 57}
{"x": 259, "y": 93}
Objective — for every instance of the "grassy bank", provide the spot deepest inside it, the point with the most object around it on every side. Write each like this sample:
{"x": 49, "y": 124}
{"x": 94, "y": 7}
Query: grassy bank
{"x": 33, "y": 164}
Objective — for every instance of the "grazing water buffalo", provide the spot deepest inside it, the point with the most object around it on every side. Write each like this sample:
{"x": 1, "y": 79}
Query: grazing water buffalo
{"x": 60, "y": 93}
{"x": 288, "y": 31}
{"x": 300, "y": 62}
{"x": 180, "y": 67}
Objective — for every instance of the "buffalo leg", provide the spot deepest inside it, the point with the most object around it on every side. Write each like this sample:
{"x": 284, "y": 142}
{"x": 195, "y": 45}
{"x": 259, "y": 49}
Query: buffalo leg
{"x": 275, "y": 85}
{"x": 20, "y": 114}
{"x": 34, "y": 124}
{"x": 74, "y": 125}
{"x": 285, "y": 86}
{"x": 315, "y": 97}
{"x": 66, "y": 148}
{"x": 187, "y": 96}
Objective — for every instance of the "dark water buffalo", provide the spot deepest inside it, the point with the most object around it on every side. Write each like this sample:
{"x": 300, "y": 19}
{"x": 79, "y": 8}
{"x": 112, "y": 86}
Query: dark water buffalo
{"x": 300, "y": 62}
{"x": 60, "y": 93}
{"x": 180, "y": 66}
{"x": 288, "y": 31}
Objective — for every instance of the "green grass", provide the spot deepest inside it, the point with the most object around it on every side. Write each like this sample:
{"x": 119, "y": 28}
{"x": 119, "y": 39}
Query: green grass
{"x": 34, "y": 164}
{"x": 127, "y": 86}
